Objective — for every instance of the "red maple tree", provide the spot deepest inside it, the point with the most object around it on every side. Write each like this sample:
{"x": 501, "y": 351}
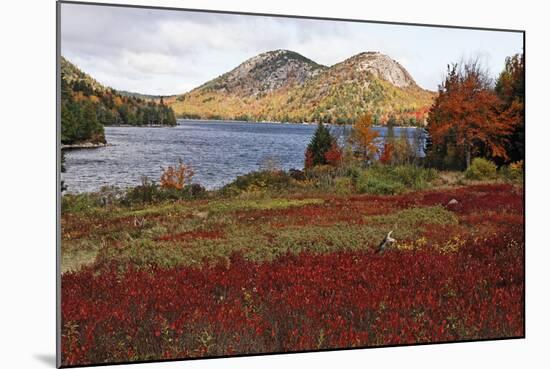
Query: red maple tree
{"x": 468, "y": 112}
{"x": 387, "y": 154}
{"x": 334, "y": 155}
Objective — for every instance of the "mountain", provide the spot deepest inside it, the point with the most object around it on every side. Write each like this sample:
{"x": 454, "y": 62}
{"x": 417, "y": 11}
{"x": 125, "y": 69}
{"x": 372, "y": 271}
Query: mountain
{"x": 77, "y": 79}
{"x": 87, "y": 106}
{"x": 265, "y": 73}
{"x": 282, "y": 85}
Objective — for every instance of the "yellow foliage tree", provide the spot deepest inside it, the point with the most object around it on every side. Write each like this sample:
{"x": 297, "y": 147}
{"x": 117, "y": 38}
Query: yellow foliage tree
{"x": 363, "y": 137}
{"x": 176, "y": 177}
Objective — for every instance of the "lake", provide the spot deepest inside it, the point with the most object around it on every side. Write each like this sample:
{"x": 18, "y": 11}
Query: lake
{"x": 217, "y": 151}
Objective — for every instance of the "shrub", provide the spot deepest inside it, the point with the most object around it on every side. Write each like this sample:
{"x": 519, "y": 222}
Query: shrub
{"x": 388, "y": 180}
{"x": 353, "y": 172}
{"x": 413, "y": 176}
{"x": 370, "y": 182}
{"x": 513, "y": 171}
{"x": 196, "y": 190}
{"x": 191, "y": 191}
{"x": 343, "y": 185}
{"x": 404, "y": 151}
{"x": 176, "y": 177}
{"x": 258, "y": 181}
{"x": 334, "y": 155}
{"x": 322, "y": 175}
{"x": 481, "y": 169}
{"x": 387, "y": 154}
{"x": 79, "y": 203}
{"x": 297, "y": 174}
{"x": 146, "y": 192}
{"x": 115, "y": 312}
{"x": 86, "y": 202}
{"x": 150, "y": 192}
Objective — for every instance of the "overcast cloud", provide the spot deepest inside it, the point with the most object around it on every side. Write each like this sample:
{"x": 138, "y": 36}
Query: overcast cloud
{"x": 170, "y": 52}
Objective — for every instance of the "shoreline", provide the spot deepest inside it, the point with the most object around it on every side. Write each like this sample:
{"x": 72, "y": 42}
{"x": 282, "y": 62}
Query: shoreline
{"x": 242, "y": 121}
{"x": 142, "y": 126}
{"x": 276, "y": 122}
{"x": 85, "y": 145}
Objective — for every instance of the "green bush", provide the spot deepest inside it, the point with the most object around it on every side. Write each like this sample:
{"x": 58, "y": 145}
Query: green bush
{"x": 79, "y": 203}
{"x": 388, "y": 180}
{"x": 149, "y": 192}
{"x": 352, "y": 170}
{"x": 146, "y": 192}
{"x": 413, "y": 176}
{"x": 88, "y": 202}
{"x": 322, "y": 175}
{"x": 343, "y": 185}
{"x": 258, "y": 181}
{"x": 512, "y": 172}
{"x": 370, "y": 182}
{"x": 481, "y": 169}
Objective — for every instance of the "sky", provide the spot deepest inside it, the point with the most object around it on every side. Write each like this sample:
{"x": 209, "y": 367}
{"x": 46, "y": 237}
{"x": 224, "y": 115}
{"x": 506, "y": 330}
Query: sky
{"x": 166, "y": 52}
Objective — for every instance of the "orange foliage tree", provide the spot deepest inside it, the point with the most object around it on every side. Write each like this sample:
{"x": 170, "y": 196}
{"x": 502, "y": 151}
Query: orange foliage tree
{"x": 510, "y": 87}
{"x": 363, "y": 137}
{"x": 176, "y": 177}
{"x": 467, "y": 114}
{"x": 387, "y": 154}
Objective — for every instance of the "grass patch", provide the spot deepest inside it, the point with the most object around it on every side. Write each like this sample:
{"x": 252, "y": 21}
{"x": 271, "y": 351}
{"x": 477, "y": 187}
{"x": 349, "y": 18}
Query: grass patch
{"x": 408, "y": 223}
{"x": 390, "y": 180}
{"x": 416, "y": 216}
{"x": 259, "y": 204}
{"x": 156, "y": 209}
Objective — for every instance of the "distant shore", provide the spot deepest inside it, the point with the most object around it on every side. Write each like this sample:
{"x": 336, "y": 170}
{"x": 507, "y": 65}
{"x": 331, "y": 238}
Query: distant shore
{"x": 243, "y": 121}
{"x": 141, "y": 126}
{"x": 276, "y": 122}
{"x": 229, "y": 121}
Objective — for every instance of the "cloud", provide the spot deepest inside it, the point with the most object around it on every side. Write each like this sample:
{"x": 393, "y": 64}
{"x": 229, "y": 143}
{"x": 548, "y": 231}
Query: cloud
{"x": 169, "y": 52}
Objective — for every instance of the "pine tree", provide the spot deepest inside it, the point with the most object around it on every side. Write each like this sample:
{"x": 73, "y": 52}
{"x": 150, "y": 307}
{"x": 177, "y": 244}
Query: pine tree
{"x": 321, "y": 142}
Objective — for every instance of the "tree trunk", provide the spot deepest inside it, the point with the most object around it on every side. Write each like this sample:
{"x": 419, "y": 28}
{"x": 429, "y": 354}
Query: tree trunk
{"x": 468, "y": 156}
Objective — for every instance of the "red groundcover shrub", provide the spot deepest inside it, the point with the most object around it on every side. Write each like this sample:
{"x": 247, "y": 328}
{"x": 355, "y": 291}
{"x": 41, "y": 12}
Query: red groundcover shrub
{"x": 297, "y": 302}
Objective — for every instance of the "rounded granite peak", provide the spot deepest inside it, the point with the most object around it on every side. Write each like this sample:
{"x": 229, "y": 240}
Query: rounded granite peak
{"x": 381, "y": 66}
{"x": 267, "y": 72}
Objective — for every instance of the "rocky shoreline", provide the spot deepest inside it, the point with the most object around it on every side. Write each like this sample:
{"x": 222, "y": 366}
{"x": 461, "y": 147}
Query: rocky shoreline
{"x": 84, "y": 145}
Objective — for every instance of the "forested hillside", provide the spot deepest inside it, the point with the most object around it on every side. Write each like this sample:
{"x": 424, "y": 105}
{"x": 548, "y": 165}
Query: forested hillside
{"x": 87, "y": 106}
{"x": 282, "y": 85}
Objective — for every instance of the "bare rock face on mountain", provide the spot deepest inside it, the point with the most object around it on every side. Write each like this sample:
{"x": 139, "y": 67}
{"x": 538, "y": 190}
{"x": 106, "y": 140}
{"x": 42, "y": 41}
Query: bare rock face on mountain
{"x": 380, "y": 66}
{"x": 266, "y": 73}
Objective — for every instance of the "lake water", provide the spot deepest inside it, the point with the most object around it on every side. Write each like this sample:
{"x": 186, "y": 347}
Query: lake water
{"x": 218, "y": 152}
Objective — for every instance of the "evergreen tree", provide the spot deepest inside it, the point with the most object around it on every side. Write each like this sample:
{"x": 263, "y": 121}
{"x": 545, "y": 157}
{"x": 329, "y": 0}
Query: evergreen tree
{"x": 390, "y": 135}
{"x": 68, "y": 122}
{"x": 91, "y": 128}
{"x": 320, "y": 143}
